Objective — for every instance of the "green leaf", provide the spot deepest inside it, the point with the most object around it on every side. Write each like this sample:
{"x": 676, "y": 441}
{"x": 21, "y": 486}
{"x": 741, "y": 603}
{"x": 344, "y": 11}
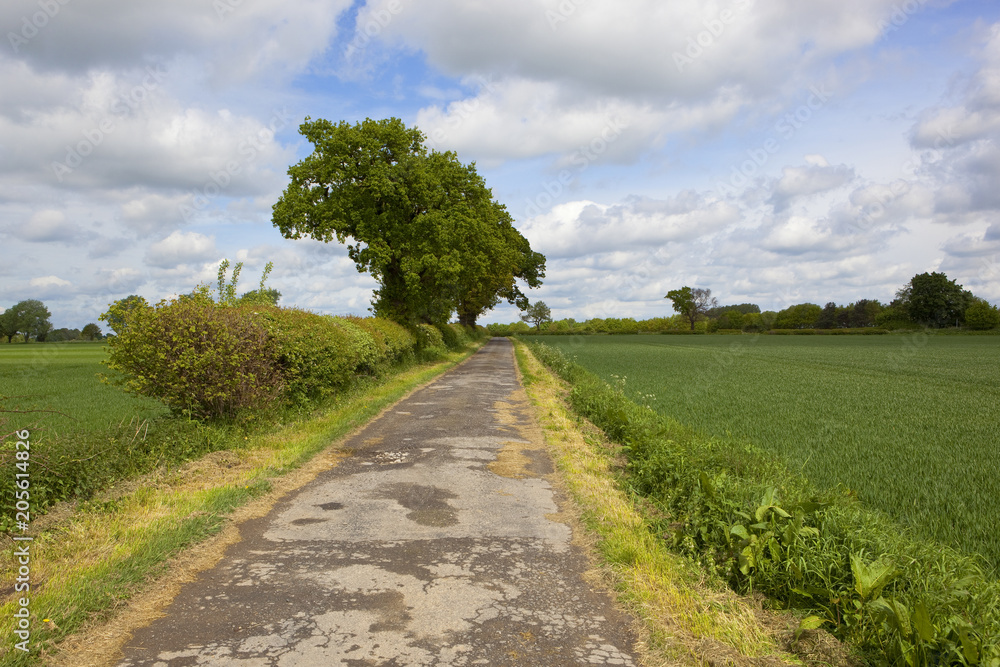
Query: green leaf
{"x": 740, "y": 531}
{"x": 809, "y": 623}
{"x": 922, "y": 622}
{"x": 970, "y": 647}
{"x": 869, "y": 580}
{"x": 706, "y": 485}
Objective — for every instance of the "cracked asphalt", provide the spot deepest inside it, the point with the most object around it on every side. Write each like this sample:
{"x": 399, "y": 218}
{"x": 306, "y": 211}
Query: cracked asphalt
{"x": 437, "y": 542}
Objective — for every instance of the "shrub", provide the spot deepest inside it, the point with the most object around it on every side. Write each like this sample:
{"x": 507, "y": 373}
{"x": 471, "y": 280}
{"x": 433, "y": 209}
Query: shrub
{"x": 428, "y": 338}
{"x": 376, "y": 334}
{"x": 212, "y": 360}
{"x": 462, "y": 335}
{"x": 982, "y": 315}
{"x": 449, "y": 336}
{"x": 317, "y": 354}
{"x": 197, "y": 358}
{"x": 400, "y": 343}
{"x": 371, "y": 349}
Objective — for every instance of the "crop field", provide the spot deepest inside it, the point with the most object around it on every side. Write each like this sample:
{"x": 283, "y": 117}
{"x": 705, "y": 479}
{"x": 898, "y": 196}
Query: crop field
{"x": 64, "y": 378}
{"x": 910, "y": 423}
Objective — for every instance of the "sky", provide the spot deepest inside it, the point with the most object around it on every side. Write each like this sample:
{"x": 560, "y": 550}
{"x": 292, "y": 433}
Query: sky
{"x": 775, "y": 152}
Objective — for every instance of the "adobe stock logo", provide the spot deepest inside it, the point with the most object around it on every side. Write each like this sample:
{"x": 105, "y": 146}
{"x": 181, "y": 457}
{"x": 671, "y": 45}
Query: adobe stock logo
{"x": 249, "y": 148}
{"x": 581, "y": 159}
{"x": 704, "y": 40}
{"x": 95, "y": 136}
{"x": 30, "y": 26}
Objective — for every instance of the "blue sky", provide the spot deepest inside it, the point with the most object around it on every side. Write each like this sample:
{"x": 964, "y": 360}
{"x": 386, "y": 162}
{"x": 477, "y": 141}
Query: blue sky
{"x": 774, "y": 152}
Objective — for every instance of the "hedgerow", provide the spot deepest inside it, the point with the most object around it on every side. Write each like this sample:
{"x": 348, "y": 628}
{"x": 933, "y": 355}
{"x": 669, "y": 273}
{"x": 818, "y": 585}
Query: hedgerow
{"x": 213, "y": 361}
{"x": 198, "y": 358}
{"x": 765, "y": 529}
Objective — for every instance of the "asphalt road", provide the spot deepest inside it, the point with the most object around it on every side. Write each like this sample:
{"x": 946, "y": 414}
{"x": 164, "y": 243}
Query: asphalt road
{"x": 438, "y": 542}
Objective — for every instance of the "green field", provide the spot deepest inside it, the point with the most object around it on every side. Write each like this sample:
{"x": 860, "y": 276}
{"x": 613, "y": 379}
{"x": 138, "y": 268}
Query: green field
{"x": 85, "y": 434}
{"x": 911, "y": 423}
{"x": 64, "y": 378}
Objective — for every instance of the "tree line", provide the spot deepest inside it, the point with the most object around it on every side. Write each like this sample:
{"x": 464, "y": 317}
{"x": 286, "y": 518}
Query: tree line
{"x": 29, "y": 320}
{"x": 927, "y": 300}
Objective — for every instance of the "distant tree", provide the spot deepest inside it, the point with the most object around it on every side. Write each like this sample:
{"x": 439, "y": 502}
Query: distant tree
{"x": 828, "y": 317}
{"x": 692, "y": 303}
{"x": 63, "y": 335}
{"x": 894, "y": 316}
{"x": 863, "y": 313}
{"x": 981, "y": 314}
{"x": 800, "y": 316}
{"x": 266, "y": 297}
{"x": 8, "y": 324}
{"x": 31, "y": 318}
{"x": 743, "y": 308}
{"x": 933, "y": 300}
{"x": 43, "y": 331}
{"x": 753, "y": 323}
{"x": 735, "y": 318}
{"x": 537, "y": 313}
{"x": 91, "y": 332}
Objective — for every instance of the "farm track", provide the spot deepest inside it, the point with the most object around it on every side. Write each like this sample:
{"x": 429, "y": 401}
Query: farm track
{"x": 438, "y": 542}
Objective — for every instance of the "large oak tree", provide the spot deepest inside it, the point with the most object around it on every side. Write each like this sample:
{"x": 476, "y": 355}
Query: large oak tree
{"x": 423, "y": 224}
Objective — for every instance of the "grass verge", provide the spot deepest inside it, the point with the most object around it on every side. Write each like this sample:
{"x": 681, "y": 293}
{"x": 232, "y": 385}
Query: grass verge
{"x": 688, "y": 619}
{"x": 93, "y": 564}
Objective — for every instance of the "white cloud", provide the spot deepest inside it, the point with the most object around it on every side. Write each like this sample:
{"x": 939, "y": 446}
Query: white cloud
{"x": 49, "y": 281}
{"x": 585, "y": 227}
{"x": 45, "y": 226}
{"x": 809, "y": 180}
{"x": 626, "y": 48}
{"x": 521, "y": 118}
{"x": 181, "y": 248}
{"x": 548, "y": 85}
{"x": 238, "y": 38}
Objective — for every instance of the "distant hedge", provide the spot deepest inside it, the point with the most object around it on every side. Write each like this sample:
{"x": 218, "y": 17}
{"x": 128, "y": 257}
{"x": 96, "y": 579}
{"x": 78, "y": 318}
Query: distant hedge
{"x": 216, "y": 361}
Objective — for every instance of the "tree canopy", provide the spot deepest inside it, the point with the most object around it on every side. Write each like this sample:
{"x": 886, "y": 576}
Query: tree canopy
{"x": 537, "y": 313}
{"x": 29, "y": 318}
{"x": 423, "y": 224}
{"x": 91, "y": 331}
{"x": 692, "y": 303}
{"x": 934, "y": 300}
{"x": 799, "y": 316}
{"x": 118, "y": 312}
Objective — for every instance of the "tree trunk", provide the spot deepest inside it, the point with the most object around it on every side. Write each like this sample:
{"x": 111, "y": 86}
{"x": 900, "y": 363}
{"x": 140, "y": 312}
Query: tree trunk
{"x": 467, "y": 319}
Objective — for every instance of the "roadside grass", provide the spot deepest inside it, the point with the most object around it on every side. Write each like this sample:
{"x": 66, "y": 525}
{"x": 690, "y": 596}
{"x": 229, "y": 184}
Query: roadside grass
{"x": 690, "y": 618}
{"x": 89, "y": 558}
